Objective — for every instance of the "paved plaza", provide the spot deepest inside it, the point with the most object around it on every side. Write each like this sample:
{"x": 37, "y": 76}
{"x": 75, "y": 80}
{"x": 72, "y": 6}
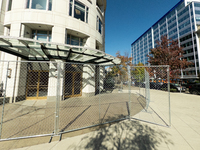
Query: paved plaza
{"x": 183, "y": 134}
{"x": 37, "y": 117}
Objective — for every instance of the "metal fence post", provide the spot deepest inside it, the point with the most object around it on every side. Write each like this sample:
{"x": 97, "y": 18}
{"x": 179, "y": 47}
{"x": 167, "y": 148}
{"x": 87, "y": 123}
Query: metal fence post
{"x": 129, "y": 85}
{"x": 98, "y": 80}
{"x": 121, "y": 85}
{"x": 4, "y": 99}
{"x": 56, "y": 127}
{"x": 168, "y": 80}
{"x": 139, "y": 85}
{"x": 147, "y": 87}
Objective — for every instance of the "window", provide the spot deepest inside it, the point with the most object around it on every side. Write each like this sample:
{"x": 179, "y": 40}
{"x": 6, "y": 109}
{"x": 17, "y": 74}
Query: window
{"x": 7, "y": 31}
{"x": 185, "y": 31}
{"x": 41, "y": 35}
{"x": 183, "y": 11}
{"x": 99, "y": 25}
{"x": 190, "y": 58}
{"x": 184, "y": 25}
{"x": 197, "y": 18}
{"x": 154, "y": 27}
{"x": 171, "y": 14}
{"x": 192, "y": 19}
{"x": 39, "y": 4}
{"x": 162, "y": 21}
{"x": 155, "y": 32}
{"x": 183, "y": 19}
{"x": 180, "y": 6}
{"x": 163, "y": 32}
{"x": 191, "y": 13}
{"x": 187, "y": 44}
{"x": 174, "y": 36}
{"x": 9, "y": 5}
{"x": 74, "y": 40}
{"x": 186, "y": 38}
{"x": 78, "y": 10}
{"x": 197, "y": 11}
{"x": 162, "y": 27}
{"x": 197, "y": 4}
{"x": 171, "y": 20}
{"x": 50, "y": 5}
{"x": 171, "y": 26}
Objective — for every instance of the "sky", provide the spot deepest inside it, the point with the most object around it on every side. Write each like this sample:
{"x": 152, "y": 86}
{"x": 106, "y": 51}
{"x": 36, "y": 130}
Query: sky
{"x": 126, "y": 20}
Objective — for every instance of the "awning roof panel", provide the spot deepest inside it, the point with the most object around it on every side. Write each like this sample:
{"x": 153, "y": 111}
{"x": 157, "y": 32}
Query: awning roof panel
{"x": 30, "y": 49}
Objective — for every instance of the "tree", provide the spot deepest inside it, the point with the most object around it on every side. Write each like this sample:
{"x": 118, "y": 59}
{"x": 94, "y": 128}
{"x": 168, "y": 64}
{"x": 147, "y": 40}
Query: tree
{"x": 120, "y": 71}
{"x": 139, "y": 72}
{"x": 168, "y": 52}
{"x": 125, "y": 60}
{"x": 122, "y": 68}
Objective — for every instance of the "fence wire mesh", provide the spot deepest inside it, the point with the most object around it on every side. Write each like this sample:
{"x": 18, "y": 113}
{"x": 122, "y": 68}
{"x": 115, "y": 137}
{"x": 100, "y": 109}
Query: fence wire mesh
{"x": 153, "y": 93}
{"x": 25, "y": 112}
{"x": 46, "y": 98}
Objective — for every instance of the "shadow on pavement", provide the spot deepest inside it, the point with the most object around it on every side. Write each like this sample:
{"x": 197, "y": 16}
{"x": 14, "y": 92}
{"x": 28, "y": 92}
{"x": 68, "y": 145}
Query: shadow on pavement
{"x": 125, "y": 135}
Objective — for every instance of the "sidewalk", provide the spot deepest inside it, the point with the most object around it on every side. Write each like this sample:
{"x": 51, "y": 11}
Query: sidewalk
{"x": 184, "y": 133}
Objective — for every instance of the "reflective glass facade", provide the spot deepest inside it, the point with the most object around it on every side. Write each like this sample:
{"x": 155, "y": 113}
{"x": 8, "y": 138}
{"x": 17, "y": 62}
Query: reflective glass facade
{"x": 181, "y": 23}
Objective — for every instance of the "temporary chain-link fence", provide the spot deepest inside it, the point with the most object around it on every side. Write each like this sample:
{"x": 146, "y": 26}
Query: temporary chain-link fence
{"x": 24, "y": 111}
{"x": 48, "y": 98}
{"x": 150, "y": 84}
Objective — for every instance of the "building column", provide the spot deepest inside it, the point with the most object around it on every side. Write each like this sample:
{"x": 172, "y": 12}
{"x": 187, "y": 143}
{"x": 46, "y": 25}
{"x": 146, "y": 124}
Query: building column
{"x": 88, "y": 81}
{"x": 58, "y": 34}
{"x": 53, "y": 80}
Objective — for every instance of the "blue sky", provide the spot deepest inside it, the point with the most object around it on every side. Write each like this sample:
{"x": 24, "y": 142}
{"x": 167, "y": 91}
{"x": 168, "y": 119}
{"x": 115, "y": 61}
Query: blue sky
{"x": 126, "y": 20}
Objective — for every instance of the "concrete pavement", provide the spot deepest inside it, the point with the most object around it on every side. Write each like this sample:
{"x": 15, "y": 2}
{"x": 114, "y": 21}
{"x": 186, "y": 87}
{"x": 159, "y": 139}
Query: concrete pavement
{"x": 184, "y": 133}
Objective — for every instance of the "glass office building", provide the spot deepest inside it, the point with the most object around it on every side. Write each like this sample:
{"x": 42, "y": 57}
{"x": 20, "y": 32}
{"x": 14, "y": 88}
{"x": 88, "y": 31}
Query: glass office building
{"x": 182, "y": 22}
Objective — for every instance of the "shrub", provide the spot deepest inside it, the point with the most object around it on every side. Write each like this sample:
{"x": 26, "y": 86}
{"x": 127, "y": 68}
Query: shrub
{"x": 164, "y": 89}
{"x": 173, "y": 90}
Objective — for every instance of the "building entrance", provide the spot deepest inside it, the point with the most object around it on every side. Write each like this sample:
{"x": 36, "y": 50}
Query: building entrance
{"x": 37, "y": 84}
{"x": 73, "y": 84}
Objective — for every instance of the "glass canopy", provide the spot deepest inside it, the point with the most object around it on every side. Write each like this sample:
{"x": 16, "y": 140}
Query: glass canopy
{"x": 30, "y": 49}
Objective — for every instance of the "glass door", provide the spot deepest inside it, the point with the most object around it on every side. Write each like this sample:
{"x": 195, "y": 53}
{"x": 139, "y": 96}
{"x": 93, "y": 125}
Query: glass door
{"x": 37, "y": 85}
{"x": 68, "y": 91}
{"x": 77, "y": 84}
{"x": 73, "y": 84}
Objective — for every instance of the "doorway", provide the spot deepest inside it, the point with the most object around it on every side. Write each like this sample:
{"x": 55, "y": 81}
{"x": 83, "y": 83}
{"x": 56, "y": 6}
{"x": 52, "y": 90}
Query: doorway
{"x": 97, "y": 80}
{"x": 37, "y": 84}
{"x": 73, "y": 84}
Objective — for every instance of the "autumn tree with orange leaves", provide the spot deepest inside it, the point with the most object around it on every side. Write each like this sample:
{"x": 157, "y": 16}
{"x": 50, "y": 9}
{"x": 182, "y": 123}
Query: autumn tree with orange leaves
{"x": 121, "y": 69}
{"x": 168, "y": 52}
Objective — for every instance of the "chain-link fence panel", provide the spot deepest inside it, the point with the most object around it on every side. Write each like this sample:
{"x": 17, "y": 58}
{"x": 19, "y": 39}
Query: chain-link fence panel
{"x": 153, "y": 96}
{"x": 79, "y": 107}
{"x": 3, "y": 99}
{"x": 92, "y": 95}
{"x": 26, "y": 88}
{"x": 46, "y": 98}
{"x": 114, "y": 102}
